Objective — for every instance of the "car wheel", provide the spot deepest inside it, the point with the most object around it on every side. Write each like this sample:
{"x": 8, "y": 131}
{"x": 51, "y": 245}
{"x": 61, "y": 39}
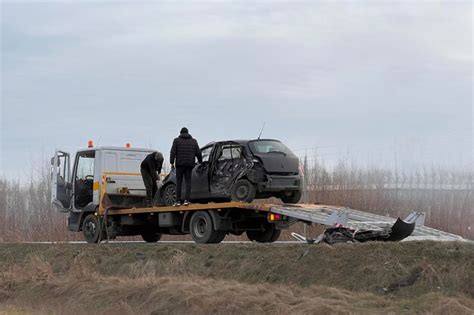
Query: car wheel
{"x": 243, "y": 190}
{"x": 202, "y": 230}
{"x": 269, "y": 234}
{"x": 291, "y": 197}
{"x": 169, "y": 195}
{"x": 151, "y": 236}
{"x": 91, "y": 229}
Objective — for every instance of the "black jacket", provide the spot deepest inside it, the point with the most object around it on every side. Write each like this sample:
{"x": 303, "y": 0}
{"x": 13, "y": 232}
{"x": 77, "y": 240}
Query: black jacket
{"x": 153, "y": 165}
{"x": 184, "y": 151}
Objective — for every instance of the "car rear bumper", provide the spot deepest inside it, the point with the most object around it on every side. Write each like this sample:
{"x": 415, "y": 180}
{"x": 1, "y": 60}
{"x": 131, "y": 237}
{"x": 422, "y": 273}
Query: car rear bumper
{"x": 280, "y": 183}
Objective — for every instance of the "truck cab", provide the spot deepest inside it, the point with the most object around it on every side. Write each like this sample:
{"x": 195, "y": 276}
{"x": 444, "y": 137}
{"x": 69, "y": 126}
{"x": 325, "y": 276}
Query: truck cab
{"x": 77, "y": 185}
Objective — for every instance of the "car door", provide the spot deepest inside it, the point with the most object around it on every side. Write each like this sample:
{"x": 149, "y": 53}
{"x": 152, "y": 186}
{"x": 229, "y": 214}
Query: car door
{"x": 200, "y": 177}
{"x": 227, "y": 164}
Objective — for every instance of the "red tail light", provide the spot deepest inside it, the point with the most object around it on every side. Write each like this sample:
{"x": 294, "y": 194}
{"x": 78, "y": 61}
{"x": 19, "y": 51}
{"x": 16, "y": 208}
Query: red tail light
{"x": 274, "y": 217}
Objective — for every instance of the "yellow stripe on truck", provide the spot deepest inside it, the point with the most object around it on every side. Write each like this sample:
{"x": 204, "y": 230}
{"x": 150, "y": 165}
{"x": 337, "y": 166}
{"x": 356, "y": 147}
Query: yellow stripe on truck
{"x": 95, "y": 186}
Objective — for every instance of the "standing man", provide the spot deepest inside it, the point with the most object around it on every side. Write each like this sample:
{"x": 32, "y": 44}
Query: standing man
{"x": 183, "y": 154}
{"x": 151, "y": 169}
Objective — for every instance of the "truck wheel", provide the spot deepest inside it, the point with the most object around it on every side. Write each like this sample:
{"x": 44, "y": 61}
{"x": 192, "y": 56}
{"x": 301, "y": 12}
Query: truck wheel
{"x": 243, "y": 190}
{"x": 169, "y": 195}
{"x": 268, "y": 235}
{"x": 275, "y": 236}
{"x": 293, "y": 197}
{"x": 202, "y": 230}
{"x": 151, "y": 236}
{"x": 219, "y": 237}
{"x": 92, "y": 230}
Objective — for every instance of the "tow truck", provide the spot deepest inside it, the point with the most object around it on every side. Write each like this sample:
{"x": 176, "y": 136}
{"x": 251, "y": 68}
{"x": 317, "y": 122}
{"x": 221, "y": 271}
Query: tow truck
{"x": 103, "y": 194}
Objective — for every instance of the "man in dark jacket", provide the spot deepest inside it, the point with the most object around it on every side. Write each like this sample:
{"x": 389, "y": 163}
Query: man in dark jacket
{"x": 151, "y": 169}
{"x": 183, "y": 154}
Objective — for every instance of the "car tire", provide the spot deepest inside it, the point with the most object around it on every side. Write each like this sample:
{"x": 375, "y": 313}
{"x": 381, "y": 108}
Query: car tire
{"x": 202, "y": 230}
{"x": 91, "y": 229}
{"x": 269, "y": 234}
{"x": 243, "y": 190}
{"x": 168, "y": 196}
{"x": 294, "y": 197}
{"x": 151, "y": 236}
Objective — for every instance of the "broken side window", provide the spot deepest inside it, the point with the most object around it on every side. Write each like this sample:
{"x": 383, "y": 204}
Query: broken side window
{"x": 231, "y": 152}
{"x": 206, "y": 152}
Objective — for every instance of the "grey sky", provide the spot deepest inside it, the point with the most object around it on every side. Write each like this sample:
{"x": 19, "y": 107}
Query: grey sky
{"x": 365, "y": 79}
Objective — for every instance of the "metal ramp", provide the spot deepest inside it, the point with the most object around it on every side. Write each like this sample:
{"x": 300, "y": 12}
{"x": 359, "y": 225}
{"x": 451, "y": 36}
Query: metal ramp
{"x": 359, "y": 220}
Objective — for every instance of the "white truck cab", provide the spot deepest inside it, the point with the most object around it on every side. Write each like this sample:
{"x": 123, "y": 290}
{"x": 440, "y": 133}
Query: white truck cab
{"x": 77, "y": 190}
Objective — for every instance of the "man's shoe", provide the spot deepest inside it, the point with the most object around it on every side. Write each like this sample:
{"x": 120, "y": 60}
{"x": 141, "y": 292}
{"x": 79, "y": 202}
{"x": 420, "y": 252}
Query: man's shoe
{"x": 186, "y": 203}
{"x": 177, "y": 204}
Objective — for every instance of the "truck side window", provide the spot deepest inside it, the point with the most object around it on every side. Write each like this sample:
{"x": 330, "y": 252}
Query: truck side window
{"x": 63, "y": 169}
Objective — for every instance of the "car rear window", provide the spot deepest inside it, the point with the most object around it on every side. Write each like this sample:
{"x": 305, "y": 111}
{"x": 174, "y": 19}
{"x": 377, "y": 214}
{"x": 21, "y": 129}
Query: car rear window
{"x": 269, "y": 146}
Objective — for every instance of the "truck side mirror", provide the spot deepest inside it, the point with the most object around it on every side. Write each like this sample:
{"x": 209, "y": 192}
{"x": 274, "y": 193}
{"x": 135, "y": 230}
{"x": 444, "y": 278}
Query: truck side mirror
{"x": 52, "y": 162}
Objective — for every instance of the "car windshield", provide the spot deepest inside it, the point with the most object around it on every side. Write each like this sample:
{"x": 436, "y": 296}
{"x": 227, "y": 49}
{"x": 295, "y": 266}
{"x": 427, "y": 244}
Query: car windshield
{"x": 269, "y": 146}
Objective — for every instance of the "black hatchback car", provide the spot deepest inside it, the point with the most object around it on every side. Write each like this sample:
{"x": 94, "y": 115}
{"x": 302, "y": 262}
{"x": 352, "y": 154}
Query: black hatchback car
{"x": 241, "y": 170}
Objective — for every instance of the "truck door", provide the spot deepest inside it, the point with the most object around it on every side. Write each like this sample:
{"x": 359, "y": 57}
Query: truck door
{"x": 84, "y": 178}
{"x": 61, "y": 187}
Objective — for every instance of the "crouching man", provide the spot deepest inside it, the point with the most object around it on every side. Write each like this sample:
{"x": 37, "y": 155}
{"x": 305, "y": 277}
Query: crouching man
{"x": 151, "y": 169}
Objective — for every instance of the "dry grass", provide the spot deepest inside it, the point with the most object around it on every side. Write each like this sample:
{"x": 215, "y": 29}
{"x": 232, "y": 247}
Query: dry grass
{"x": 165, "y": 295}
{"x": 190, "y": 279}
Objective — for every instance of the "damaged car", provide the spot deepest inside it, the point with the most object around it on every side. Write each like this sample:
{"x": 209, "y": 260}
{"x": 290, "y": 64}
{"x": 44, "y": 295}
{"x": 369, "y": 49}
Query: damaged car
{"x": 241, "y": 170}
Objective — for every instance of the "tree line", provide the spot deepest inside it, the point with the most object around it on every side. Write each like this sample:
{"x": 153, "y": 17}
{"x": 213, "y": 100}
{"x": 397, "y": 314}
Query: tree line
{"x": 445, "y": 196}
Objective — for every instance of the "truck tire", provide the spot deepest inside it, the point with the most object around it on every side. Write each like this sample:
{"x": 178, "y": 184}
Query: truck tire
{"x": 293, "y": 197}
{"x": 93, "y": 232}
{"x": 202, "y": 229}
{"x": 243, "y": 190}
{"x": 219, "y": 237}
{"x": 151, "y": 236}
{"x": 169, "y": 195}
{"x": 268, "y": 235}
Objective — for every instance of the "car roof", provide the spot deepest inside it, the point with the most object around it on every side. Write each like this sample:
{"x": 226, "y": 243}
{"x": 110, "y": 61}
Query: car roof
{"x": 240, "y": 141}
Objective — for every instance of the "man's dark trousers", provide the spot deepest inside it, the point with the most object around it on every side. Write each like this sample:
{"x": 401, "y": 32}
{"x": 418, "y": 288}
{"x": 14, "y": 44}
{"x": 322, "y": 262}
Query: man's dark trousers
{"x": 185, "y": 171}
{"x": 150, "y": 185}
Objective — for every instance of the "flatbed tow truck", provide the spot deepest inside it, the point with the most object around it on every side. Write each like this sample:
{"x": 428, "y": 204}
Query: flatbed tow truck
{"x": 104, "y": 196}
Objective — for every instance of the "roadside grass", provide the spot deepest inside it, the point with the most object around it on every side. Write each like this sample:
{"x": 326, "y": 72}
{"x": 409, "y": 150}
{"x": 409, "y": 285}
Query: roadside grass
{"x": 254, "y": 278}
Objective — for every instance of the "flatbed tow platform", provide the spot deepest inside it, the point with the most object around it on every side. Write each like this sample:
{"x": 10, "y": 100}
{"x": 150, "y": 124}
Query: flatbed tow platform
{"x": 286, "y": 214}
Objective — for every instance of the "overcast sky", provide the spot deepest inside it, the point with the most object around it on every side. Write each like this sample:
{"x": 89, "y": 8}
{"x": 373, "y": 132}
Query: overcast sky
{"x": 375, "y": 82}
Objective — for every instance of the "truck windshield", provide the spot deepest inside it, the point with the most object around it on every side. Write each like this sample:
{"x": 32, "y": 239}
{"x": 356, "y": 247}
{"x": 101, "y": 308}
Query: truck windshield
{"x": 270, "y": 147}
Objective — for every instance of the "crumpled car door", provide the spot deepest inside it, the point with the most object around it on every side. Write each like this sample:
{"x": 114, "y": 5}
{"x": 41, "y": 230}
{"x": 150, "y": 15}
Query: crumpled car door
{"x": 228, "y": 163}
